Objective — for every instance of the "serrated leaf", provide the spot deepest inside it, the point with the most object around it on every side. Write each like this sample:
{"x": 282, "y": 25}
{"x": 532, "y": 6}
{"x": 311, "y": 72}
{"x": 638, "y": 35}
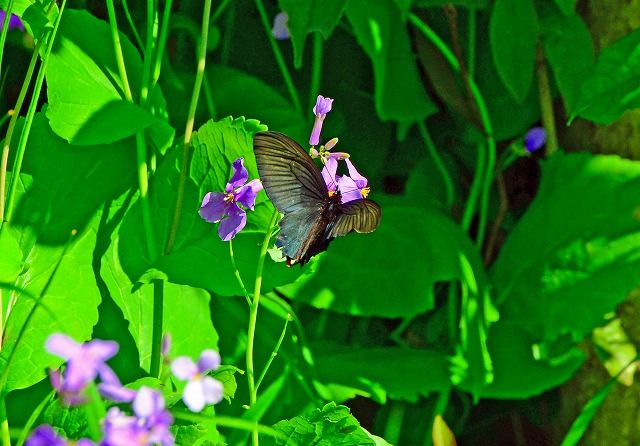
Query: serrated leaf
{"x": 612, "y": 87}
{"x": 86, "y": 100}
{"x": 199, "y": 258}
{"x": 380, "y": 29}
{"x": 513, "y": 31}
{"x": 307, "y": 16}
{"x": 574, "y": 255}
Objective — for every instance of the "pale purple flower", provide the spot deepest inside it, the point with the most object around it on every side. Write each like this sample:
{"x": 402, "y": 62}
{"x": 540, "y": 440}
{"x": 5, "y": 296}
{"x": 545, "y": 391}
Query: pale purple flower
{"x": 329, "y": 175}
{"x": 535, "y": 139}
{"x": 322, "y": 107}
{"x": 353, "y": 186}
{"x": 44, "y": 435}
{"x": 224, "y": 208}
{"x": 149, "y": 426}
{"x": 84, "y": 363}
{"x": 14, "y": 21}
{"x": 201, "y": 389}
{"x": 280, "y": 30}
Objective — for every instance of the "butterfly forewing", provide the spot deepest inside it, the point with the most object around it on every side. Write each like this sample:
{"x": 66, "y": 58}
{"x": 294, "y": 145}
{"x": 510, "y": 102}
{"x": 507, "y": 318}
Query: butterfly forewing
{"x": 359, "y": 215}
{"x": 288, "y": 173}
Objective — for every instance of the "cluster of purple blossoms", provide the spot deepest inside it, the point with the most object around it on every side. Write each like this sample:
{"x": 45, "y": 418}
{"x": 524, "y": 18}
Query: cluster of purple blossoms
{"x": 350, "y": 187}
{"x": 150, "y": 422}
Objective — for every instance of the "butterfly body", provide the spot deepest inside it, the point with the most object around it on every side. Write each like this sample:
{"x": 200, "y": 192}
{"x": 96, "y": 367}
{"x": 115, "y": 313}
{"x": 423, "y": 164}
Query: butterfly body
{"x": 312, "y": 216}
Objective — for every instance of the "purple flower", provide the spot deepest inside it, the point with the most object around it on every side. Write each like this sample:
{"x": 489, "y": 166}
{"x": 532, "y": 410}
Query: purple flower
{"x": 44, "y": 435}
{"x": 535, "y": 139}
{"x": 201, "y": 389}
{"x": 324, "y": 153}
{"x": 14, "y": 21}
{"x": 322, "y": 107}
{"x": 84, "y": 363}
{"x": 354, "y": 186}
{"x": 329, "y": 175}
{"x": 216, "y": 205}
{"x": 149, "y": 426}
{"x": 280, "y": 30}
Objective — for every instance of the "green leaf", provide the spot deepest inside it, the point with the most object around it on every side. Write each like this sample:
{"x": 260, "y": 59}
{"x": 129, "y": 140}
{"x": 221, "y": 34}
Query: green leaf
{"x": 33, "y": 14}
{"x": 86, "y": 100}
{"x": 513, "y": 32}
{"x": 575, "y": 254}
{"x": 569, "y": 50}
{"x": 568, "y": 7}
{"x": 386, "y": 273}
{"x": 612, "y": 88}
{"x": 307, "y": 16}
{"x": 11, "y": 258}
{"x": 405, "y": 374}
{"x": 238, "y": 93}
{"x": 332, "y": 425}
{"x": 199, "y": 257}
{"x": 191, "y": 332}
{"x": 470, "y": 4}
{"x": 381, "y": 30}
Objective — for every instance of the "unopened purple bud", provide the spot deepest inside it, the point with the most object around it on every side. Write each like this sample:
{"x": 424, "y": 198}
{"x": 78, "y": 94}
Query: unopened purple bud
{"x": 280, "y": 30}
{"x": 322, "y": 107}
{"x": 331, "y": 143}
{"x": 535, "y": 139}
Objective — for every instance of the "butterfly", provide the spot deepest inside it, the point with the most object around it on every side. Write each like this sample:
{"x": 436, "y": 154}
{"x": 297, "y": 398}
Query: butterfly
{"x": 312, "y": 216}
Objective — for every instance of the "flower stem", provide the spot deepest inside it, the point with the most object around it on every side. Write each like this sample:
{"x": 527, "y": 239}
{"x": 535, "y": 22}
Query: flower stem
{"x": 236, "y": 272}
{"x": 202, "y": 57}
{"x": 156, "y": 336}
{"x": 127, "y": 14}
{"x": 279, "y": 58}
{"x": 316, "y": 69}
{"x": 253, "y": 316}
{"x": 5, "y": 30}
{"x": 433, "y": 151}
{"x": 274, "y": 353}
{"x": 546, "y": 103}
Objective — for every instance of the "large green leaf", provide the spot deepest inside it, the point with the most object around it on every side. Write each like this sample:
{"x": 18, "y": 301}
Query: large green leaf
{"x": 575, "y": 254}
{"x": 391, "y": 272}
{"x": 307, "y": 16}
{"x": 380, "y": 28}
{"x": 11, "y": 257}
{"x": 569, "y": 50}
{"x": 513, "y": 32}
{"x": 199, "y": 258}
{"x": 612, "y": 88}
{"x": 87, "y": 104}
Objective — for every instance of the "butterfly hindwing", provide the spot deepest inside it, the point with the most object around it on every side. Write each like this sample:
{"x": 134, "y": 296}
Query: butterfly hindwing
{"x": 359, "y": 215}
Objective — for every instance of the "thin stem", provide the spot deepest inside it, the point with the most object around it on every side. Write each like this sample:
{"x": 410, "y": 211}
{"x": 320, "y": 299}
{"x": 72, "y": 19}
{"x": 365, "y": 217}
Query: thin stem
{"x": 152, "y": 30}
{"x": 546, "y": 103}
{"x": 444, "y": 173}
{"x": 95, "y": 411}
{"x": 202, "y": 57}
{"x": 253, "y": 317}
{"x": 502, "y": 212}
{"x": 393, "y": 425}
{"x": 316, "y": 69}
{"x": 26, "y": 129}
{"x": 35, "y": 415}
{"x": 474, "y": 193}
{"x": 274, "y": 353}
{"x": 4, "y": 423}
{"x": 136, "y": 35}
{"x": 162, "y": 43}
{"x": 236, "y": 272}
{"x": 279, "y": 58}
{"x": 156, "y": 337}
{"x": 219, "y": 10}
{"x": 5, "y": 30}
{"x": 115, "y": 37}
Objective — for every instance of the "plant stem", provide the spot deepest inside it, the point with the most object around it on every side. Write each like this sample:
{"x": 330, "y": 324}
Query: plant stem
{"x": 4, "y": 423}
{"x": 202, "y": 57}
{"x": 274, "y": 353}
{"x": 279, "y": 58}
{"x": 5, "y": 30}
{"x": 136, "y": 35}
{"x": 115, "y": 37}
{"x": 236, "y": 272}
{"x": 393, "y": 425}
{"x": 433, "y": 151}
{"x": 156, "y": 336}
{"x": 546, "y": 103}
{"x": 253, "y": 316}
{"x": 316, "y": 69}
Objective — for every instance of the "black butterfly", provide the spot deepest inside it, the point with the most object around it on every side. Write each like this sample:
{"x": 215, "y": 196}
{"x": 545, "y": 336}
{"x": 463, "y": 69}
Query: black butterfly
{"x": 312, "y": 217}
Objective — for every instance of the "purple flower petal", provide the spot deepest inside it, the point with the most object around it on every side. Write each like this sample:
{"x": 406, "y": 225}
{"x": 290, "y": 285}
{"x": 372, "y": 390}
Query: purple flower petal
{"x": 166, "y": 344}
{"x": 193, "y": 396}
{"x": 535, "y": 139}
{"x": 209, "y": 360}
{"x": 212, "y": 389}
{"x": 184, "y": 368}
{"x": 360, "y": 181}
{"x": 314, "y": 138}
{"x": 240, "y": 175}
{"x": 349, "y": 190}
{"x": 329, "y": 174}
{"x": 338, "y": 156}
{"x": 100, "y": 350}
{"x": 235, "y": 221}
{"x": 44, "y": 435}
{"x": 63, "y": 346}
{"x": 116, "y": 392}
{"x": 213, "y": 207}
{"x": 14, "y": 21}
{"x": 322, "y": 107}
{"x": 148, "y": 403}
{"x": 248, "y": 193}
{"x": 280, "y": 30}
{"x": 331, "y": 143}
{"x": 85, "y": 442}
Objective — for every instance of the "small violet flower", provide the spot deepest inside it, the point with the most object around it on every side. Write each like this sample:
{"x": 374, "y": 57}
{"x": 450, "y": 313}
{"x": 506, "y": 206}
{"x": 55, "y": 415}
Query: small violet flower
{"x": 149, "y": 425}
{"x": 322, "y": 107}
{"x": 535, "y": 139}
{"x": 353, "y": 186}
{"x": 201, "y": 389}
{"x": 44, "y": 435}
{"x": 84, "y": 363}
{"x": 14, "y": 21}
{"x": 280, "y": 30}
{"x": 224, "y": 208}
{"x": 329, "y": 175}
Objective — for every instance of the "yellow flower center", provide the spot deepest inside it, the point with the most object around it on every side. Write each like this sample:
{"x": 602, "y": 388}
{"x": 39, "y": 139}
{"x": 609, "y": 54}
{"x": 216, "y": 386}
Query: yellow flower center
{"x": 228, "y": 198}
{"x": 365, "y": 191}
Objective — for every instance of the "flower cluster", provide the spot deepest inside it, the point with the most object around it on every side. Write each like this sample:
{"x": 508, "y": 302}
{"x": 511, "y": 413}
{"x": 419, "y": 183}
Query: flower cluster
{"x": 150, "y": 420}
{"x": 350, "y": 187}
